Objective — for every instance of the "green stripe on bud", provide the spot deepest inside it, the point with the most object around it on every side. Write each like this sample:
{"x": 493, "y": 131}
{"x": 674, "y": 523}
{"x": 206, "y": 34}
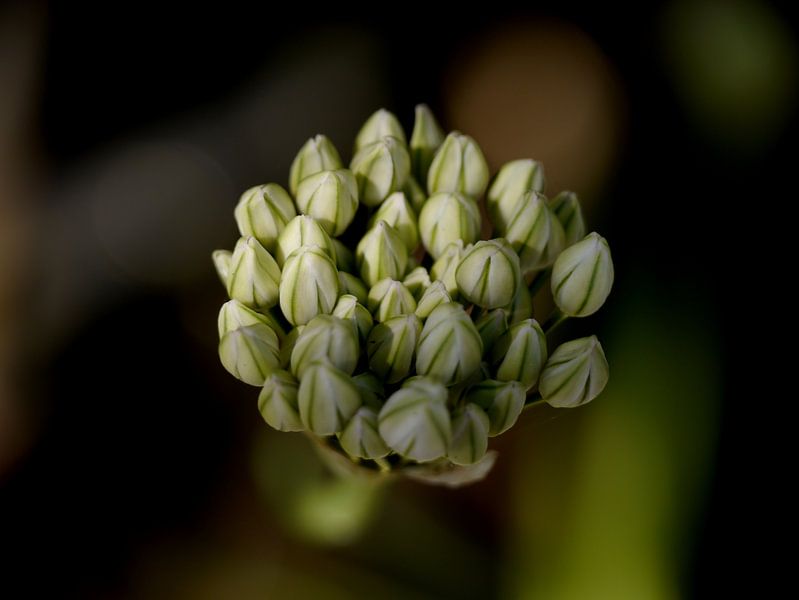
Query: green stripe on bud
{"x": 503, "y": 401}
{"x": 566, "y": 207}
{"x": 330, "y": 197}
{"x": 521, "y": 353}
{"x": 380, "y": 168}
{"x": 278, "y": 402}
{"x": 415, "y": 421}
{"x": 488, "y": 275}
{"x": 250, "y": 353}
{"x": 317, "y": 154}
{"x": 327, "y": 399}
{"x": 350, "y": 284}
{"x": 583, "y": 276}
{"x": 446, "y": 218}
{"x": 371, "y": 389}
{"x": 469, "y": 435}
{"x": 263, "y": 212}
{"x": 221, "y": 260}
{"x": 302, "y": 230}
{"x": 491, "y": 326}
{"x": 446, "y": 266}
{"x": 458, "y": 166}
{"x": 308, "y": 285}
{"x": 349, "y": 309}
{"x": 513, "y": 181}
{"x": 433, "y": 296}
{"x": 234, "y": 314}
{"x": 326, "y": 338}
{"x": 417, "y": 281}
{"x": 449, "y": 347}
{"x": 535, "y": 233}
{"x": 381, "y": 253}
{"x": 397, "y": 212}
{"x": 389, "y": 298}
{"x": 426, "y": 138}
{"x": 380, "y": 124}
{"x": 575, "y": 374}
{"x": 391, "y": 346}
{"x": 361, "y": 438}
{"x": 254, "y": 275}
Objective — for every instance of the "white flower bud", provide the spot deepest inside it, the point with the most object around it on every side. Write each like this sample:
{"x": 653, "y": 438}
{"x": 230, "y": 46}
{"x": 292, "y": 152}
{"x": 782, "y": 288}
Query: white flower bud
{"x": 326, "y": 338}
{"x": 449, "y": 348}
{"x": 488, "y": 274}
{"x": 447, "y": 218}
{"x": 262, "y": 212}
{"x": 397, "y": 212}
{"x": 458, "y": 166}
{"x": 327, "y": 399}
{"x": 389, "y": 298}
{"x": 469, "y": 435}
{"x": 250, "y": 353}
{"x": 417, "y": 281}
{"x": 221, "y": 260}
{"x": 426, "y": 138}
{"x": 535, "y": 233}
{"x": 360, "y": 437}
{"x": 350, "y": 284}
{"x": 318, "y": 154}
{"x": 391, "y": 346}
{"x": 381, "y": 253}
{"x": 446, "y": 266}
{"x": 330, "y": 197}
{"x": 575, "y": 374}
{"x": 433, "y": 296}
{"x": 349, "y": 309}
{"x": 380, "y": 168}
{"x": 302, "y": 230}
{"x": 278, "y": 402}
{"x": 582, "y": 276}
{"x": 308, "y": 285}
{"x": 380, "y": 124}
{"x": 513, "y": 181}
{"x": 566, "y": 207}
{"x": 234, "y": 314}
{"x": 503, "y": 401}
{"x": 254, "y": 275}
{"x": 521, "y": 353}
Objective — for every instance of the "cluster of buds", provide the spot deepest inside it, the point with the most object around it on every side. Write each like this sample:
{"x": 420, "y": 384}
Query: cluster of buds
{"x": 366, "y": 308}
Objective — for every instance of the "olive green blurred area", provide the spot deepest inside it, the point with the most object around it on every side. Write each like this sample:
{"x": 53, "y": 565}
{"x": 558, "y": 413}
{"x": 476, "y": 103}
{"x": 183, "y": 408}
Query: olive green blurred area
{"x": 132, "y": 466}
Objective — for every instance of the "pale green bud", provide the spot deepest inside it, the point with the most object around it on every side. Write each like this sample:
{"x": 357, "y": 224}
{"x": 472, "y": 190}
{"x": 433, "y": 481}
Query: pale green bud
{"x": 389, "y": 298}
{"x": 263, "y": 211}
{"x": 491, "y": 326}
{"x": 345, "y": 259}
{"x": 503, "y": 401}
{"x": 350, "y": 284}
{"x": 521, "y": 353}
{"x": 287, "y": 346}
{"x": 417, "y": 281}
{"x": 488, "y": 274}
{"x": 308, "y": 285}
{"x": 380, "y": 168}
{"x": 330, "y": 197}
{"x": 469, "y": 435}
{"x": 575, "y": 374}
{"x": 221, "y": 260}
{"x": 433, "y": 296}
{"x": 371, "y": 389}
{"x": 234, "y": 314}
{"x": 535, "y": 233}
{"x": 302, "y": 230}
{"x": 426, "y": 138}
{"x": 327, "y": 399}
{"x": 449, "y": 347}
{"x": 380, "y": 124}
{"x": 446, "y": 218}
{"x": 397, "y": 212}
{"x": 415, "y": 421}
{"x": 513, "y": 181}
{"x": 458, "y": 166}
{"x": 582, "y": 276}
{"x": 326, "y": 338}
{"x": 349, "y": 309}
{"x": 391, "y": 346}
{"x": 360, "y": 437}
{"x": 278, "y": 402}
{"x": 254, "y": 275}
{"x": 446, "y": 266}
{"x": 250, "y": 353}
{"x": 381, "y": 253}
{"x": 566, "y": 207}
{"x": 318, "y": 154}
{"x": 521, "y": 307}
{"x": 415, "y": 194}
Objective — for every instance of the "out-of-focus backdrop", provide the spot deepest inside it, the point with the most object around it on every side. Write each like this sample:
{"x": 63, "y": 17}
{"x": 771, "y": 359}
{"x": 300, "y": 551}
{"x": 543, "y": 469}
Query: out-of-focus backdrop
{"x": 133, "y": 466}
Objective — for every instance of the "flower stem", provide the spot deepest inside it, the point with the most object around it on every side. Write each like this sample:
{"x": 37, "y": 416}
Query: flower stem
{"x": 533, "y": 400}
{"x": 553, "y": 321}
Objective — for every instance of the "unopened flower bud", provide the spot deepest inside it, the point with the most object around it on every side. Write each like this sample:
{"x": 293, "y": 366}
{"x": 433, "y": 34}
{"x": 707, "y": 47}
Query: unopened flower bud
{"x": 535, "y": 233}
{"x": 582, "y": 276}
{"x": 449, "y": 347}
{"x": 458, "y": 166}
{"x": 250, "y": 353}
{"x": 433, "y": 296}
{"x": 488, "y": 274}
{"x": 350, "y": 284}
{"x": 391, "y": 346}
{"x": 469, "y": 441}
{"x": 234, "y": 314}
{"x": 513, "y": 181}
{"x": 221, "y": 260}
{"x": 263, "y": 211}
{"x": 397, "y": 212}
{"x": 361, "y": 438}
{"x": 446, "y": 218}
{"x": 371, "y": 389}
{"x": 381, "y": 253}
{"x": 521, "y": 307}
{"x": 344, "y": 257}
{"x": 491, "y": 326}
{"x": 426, "y": 138}
{"x": 415, "y": 421}
{"x": 446, "y": 266}
{"x": 254, "y": 275}
{"x": 566, "y": 207}
{"x": 521, "y": 353}
{"x": 302, "y": 230}
{"x": 503, "y": 401}
{"x": 417, "y": 281}
{"x": 415, "y": 194}
{"x": 318, "y": 154}
{"x": 575, "y": 374}
{"x": 278, "y": 402}
{"x": 330, "y": 197}
{"x": 380, "y": 168}
{"x": 389, "y": 298}
{"x": 329, "y": 339}
{"x": 327, "y": 398}
{"x": 308, "y": 285}
{"x": 379, "y": 125}
{"x": 349, "y": 309}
